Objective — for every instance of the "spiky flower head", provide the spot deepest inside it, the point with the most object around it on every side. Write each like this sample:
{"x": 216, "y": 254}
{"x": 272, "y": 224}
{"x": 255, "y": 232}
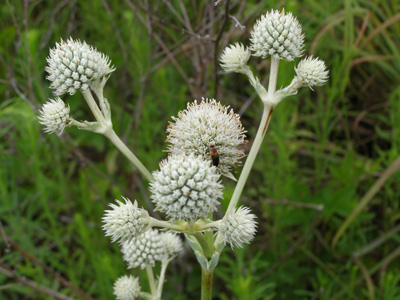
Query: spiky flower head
{"x": 312, "y": 72}
{"x": 278, "y": 35}
{"x": 235, "y": 58}
{"x": 127, "y": 288}
{"x": 172, "y": 244}
{"x": 206, "y": 124}
{"x": 73, "y": 65}
{"x": 54, "y": 115}
{"x": 125, "y": 221}
{"x": 186, "y": 187}
{"x": 143, "y": 250}
{"x": 239, "y": 228}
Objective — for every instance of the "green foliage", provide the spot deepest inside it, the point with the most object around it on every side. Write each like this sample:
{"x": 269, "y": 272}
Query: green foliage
{"x": 326, "y": 147}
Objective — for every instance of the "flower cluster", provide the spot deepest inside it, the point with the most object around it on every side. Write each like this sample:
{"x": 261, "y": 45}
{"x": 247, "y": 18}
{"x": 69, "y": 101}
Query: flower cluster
{"x": 125, "y": 222}
{"x": 278, "y": 35}
{"x": 239, "y": 228}
{"x": 73, "y": 65}
{"x": 127, "y": 288}
{"x": 235, "y": 58}
{"x": 205, "y": 124}
{"x": 186, "y": 187}
{"x": 312, "y": 72}
{"x": 54, "y": 115}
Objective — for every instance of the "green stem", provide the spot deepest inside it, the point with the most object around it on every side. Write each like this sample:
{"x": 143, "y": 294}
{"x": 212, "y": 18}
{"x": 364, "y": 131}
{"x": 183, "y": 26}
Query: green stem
{"x": 164, "y": 265}
{"x": 206, "y": 283}
{"x": 203, "y": 243}
{"x": 150, "y": 278}
{"x": 164, "y": 224}
{"x": 114, "y": 138}
{"x": 94, "y": 107}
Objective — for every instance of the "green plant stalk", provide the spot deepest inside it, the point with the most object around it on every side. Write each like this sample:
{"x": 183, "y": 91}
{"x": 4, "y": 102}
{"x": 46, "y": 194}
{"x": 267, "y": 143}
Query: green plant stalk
{"x": 207, "y": 277}
{"x": 150, "y": 278}
{"x": 268, "y": 101}
{"x": 164, "y": 265}
{"x": 107, "y": 131}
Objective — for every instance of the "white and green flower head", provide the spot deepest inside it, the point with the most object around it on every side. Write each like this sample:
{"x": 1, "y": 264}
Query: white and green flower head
{"x": 54, "y": 115}
{"x": 312, "y": 72}
{"x": 143, "y": 250}
{"x": 172, "y": 244}
{"x": 73, "y": 65}
{"x": 235, "y": 58}
{"x": 206, "y": 124}
{"x": 278, "y": 35}
{"x": 127, "y": 288}
{"x": 239, "y": 228}
{"x": 186, "y": 187}
{"x": 125, "y": 221}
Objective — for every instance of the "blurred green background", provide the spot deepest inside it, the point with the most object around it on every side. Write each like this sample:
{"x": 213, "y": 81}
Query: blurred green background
{"x": 336, "y": 147}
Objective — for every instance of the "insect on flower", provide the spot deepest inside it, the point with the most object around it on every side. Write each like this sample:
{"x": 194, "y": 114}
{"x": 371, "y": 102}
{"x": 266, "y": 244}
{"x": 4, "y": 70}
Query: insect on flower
{"x": 214, "y": 155}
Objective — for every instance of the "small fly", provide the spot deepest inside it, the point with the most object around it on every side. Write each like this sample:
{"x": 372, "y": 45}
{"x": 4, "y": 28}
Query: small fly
{"x": 214, "y": 155}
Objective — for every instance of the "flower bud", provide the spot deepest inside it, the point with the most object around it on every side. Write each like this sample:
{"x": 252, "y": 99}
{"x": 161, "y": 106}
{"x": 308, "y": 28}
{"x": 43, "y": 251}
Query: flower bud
{"x": 127, "y": 288}
{"x": 239, "y": 227}
{"x": 73, "y": 65}
{"x": 186, "y": 187}
{"x": 312, "y": 72}
{"x": 145, "y": 249}
{"x": 278, "y": 35}
{"x": 235, "y": 58}
{"x": 125, "y": 221}
{"x": 54, "y": 115}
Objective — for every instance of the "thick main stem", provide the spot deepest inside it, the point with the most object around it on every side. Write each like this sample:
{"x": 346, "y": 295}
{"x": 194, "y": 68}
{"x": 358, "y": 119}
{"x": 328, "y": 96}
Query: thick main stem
{"x": 114, "y": 138}
{"x": 207, "y": 277}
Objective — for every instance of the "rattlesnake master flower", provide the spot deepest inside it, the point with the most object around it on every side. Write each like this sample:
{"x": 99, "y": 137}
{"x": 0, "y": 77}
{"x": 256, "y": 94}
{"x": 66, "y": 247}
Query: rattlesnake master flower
{"x": 202, "y": 125}
{"x": 278, "y": 35}
{"x": 235, "y": 58}
{"x": 54, "y": 115}
{"x": 124, "y": 221}
{"x": 172, "y": 244}
{"x": 186, "y": 187}
{"x": 239, "y": 227}
{"x": 127, "y": 288}
{"x": 145, "y": 249}
{"x": 73, "y": 65}
{"x": 312, "y": 72}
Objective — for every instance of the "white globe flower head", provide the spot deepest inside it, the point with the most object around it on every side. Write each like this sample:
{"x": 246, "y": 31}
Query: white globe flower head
{"x": 125, "y": 221}
{"x": 172, "y": 244}
{"x": 239, "y": 228}
{"x": 73, "y": 65}
{"x": 204, "y": 126}
{"x": 127, "y": 288}
{"x": 186, "y": 188}
{"x": 312, "y": 72}
{"x": 145, "y": 249}
{"x": 54, "y": 115}
{"x": 235, "y": 58}
{"x": 278, "y": 35}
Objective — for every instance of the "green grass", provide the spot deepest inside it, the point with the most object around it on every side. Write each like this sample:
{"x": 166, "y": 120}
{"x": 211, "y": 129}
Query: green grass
{"x": 324, "y": 147}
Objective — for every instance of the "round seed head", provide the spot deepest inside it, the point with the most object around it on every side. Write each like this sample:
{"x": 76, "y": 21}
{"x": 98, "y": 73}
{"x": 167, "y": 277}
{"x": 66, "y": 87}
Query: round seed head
{"x": 239, "y": 227}
{"x": 186, "y": 187}
{"x": 278, "y": 35}
{"x": 172, "y": 244}
{"x": 207, "y": 124}
{"x": 124, "y": 221}
{"x": 73, "y": 65}
{"x": 127, "y": 288}
{"x": 312, "y": 72}
{"x": 235, "y": 58}
{"x": 145, "y": 249}
{"x": 54, "y": 115}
